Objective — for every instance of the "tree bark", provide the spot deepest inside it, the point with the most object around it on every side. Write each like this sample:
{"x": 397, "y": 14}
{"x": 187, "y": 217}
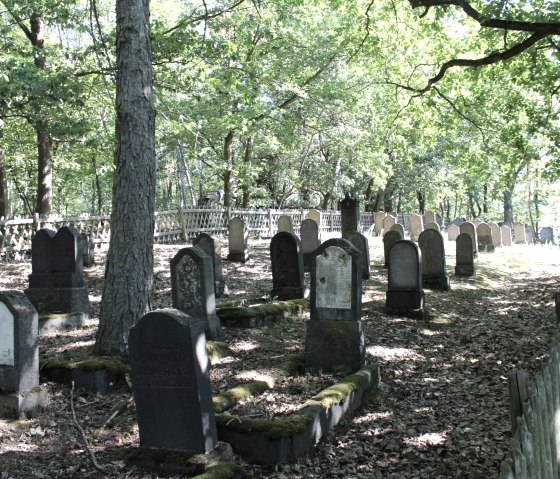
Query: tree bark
{"x": 44, "y": 172}
{"x": 4, "y": 203}
{"x": 129, "y": 269}
{"x": 246, "y": 186}
{"x": 228, "y": 172}
{"x": 508, "y": 204}
{"x": 421, "y": 197}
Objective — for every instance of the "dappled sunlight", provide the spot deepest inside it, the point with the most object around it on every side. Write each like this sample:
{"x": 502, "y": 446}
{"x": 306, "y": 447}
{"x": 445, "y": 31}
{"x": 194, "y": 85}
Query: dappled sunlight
{"x": 394, "y": 354}
{"x": 373, "y": 417}
{"x": 243, "y": 345}
{"x": 254, "y": 375}
{"x": 427, "y": 439}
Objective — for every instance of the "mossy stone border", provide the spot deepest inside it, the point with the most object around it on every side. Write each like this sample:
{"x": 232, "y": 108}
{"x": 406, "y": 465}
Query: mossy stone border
{"x": 258, "y": 315}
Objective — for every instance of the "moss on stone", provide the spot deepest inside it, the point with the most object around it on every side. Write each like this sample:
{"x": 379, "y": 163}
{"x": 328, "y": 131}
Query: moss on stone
{"x": 294, "y": 364}
{"x": 273, "y": 428}
{"x": 227, "y": 399}
{"x": 44, "y": 317}
{"x": 294, "y": 306}
{"x": 216, "y": 350}
{"x": 220, "y": 470}
{"x": 235, "y": 313}
{"x": 337, "y": 393}
{"x": 113, "y": 365}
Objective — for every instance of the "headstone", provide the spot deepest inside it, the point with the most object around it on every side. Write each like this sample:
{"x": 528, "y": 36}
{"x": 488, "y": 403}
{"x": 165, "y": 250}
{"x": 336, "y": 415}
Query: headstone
{"x": 88, "y": 250}
{"x": 484, "y": 238}
{"x": 315, "y": 215}
{"x": 285, "y": 224}
{"x": 477, "y": 221}
{"x": 464, "y": 257}
{"x": 286, "y": 260}
{"x": 389, "y": 239}
{"x": 429, "y": 217}
{"x": 530, "y": 234}
{"x": 398, "y": 227}
{"x": 452, "y": 232}
{"x": 434, "y": 273}
{"x": 431, "y": 225}
{"x": 238, "y": 241}
{"x": 212, "y": 246}
{"x": 192, "y": 288}
{"x": 171, "y": 383}
{"x": 506, "y": 235}
{"x": 470, "y": 229}
{"x": 415, "y": 226}
{"x": 546, "y": 235}
{"x": 405, "y": 294}
{"x": 349, "y": 215}
{"x": 335, "y": 336}
{"x": 458, "y": 221}
{"x": 378, "y": 222}
{"x": 360, "y": 242}
{"x": 439, "y": 221}
{"x": 519, "y": 233}
{"x": 20, "y": 393}
{"x": 56, "y": 283}
{"x": 309, "y": 234}
{"x": 496, "y": 234}
{"x": 388, "y": 222}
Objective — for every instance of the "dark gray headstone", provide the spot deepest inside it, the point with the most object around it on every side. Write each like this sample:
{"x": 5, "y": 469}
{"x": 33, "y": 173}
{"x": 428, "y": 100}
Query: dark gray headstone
{"x": 389, "y": 239}
{"x": 286, "y": 259}
{"x": 192, "y": 288}
{"x": 88, "y": 248}
{"x": 546, "y": 235}
{"x": 484, "y": 238}
{"x": 469, "y": 228}
{"x": 459, "y": 221}
{"x": 464, "y": 257}
{"x": 171, "y": 383}
{"x": 349, "y": 214}
{"x": 238, "y": 237}
{"x": 434, "y": 273}
{"x": 212, "y": 246}
{"x": 360, "y": 242}
{"x": 309, "y": 233}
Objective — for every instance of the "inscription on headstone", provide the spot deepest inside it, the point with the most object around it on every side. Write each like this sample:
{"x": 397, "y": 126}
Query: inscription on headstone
{"x": 7, "y": 335}
{"x": 334, "y": 276}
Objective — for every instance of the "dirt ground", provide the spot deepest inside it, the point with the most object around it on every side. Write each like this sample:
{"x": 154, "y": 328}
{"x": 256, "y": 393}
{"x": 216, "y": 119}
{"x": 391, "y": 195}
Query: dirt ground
{"x": 442, "y": 410}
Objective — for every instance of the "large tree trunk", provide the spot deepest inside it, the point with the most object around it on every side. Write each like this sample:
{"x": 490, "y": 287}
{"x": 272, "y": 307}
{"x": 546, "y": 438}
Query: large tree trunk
{"x": 129, "y": 269}
{"x": 508, "y": 205}
{"x": 44, "y": 172}
{"x": 421, "y": 197}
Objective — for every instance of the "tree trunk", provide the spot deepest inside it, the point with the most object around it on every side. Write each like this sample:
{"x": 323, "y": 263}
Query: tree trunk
{"x": 246, "y": 186}
{"x": 508, "y": 205}
{"x": 129, "y": 269}
{"x": 228, "y": 172}
{"x": 421, "y": 197}
{"x": 44, "y": 176}
{"x": 4, "y": 203}
{"x": 368, "y": 196}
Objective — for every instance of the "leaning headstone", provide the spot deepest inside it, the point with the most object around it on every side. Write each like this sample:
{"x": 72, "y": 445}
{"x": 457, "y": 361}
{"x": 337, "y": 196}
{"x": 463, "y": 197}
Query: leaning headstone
{"x": 171, "y": 383}
{"x": 399, "y": 228}
{"x": 88, "y": 248}
{"x": 335, "y": 337}
{"x": 285, "y": 224}
{"x": 238, "y": 238}
{"x": 434, "y": 274}
{"x": 506, "y": 235}
{"x": 452, "y": 232}
{"x": 192, "y": 288}
{"x": 360, "y": 242}
{"x": 349, "y": 215}
{"x": 20, "y": 393}
{"x": 464, "y": 257}
{"x": 286, "y": 260}
{"x": 469, "y": 228}
{"x": 484, "y": 238}
{"x": 431, "y": 225}
{"x": 388, "y": 222}
{"x": 405, "y": 294}
{"x": 378, "y": 222}
{"x": 56, "y": 283}
{"x": 415, "y": 226}
{"x": 309, "y": 234}
{"x": 212, "y": 246}
{"x": 389, "y": 239}
{"x": 496, "y": 234}
{"x": 519, "y": 233}
{"x": 546, "y": 236}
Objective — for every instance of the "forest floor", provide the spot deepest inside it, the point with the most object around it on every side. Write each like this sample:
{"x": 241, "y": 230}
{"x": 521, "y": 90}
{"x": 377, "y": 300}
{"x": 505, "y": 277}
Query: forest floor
{"x": 442, "y": 410}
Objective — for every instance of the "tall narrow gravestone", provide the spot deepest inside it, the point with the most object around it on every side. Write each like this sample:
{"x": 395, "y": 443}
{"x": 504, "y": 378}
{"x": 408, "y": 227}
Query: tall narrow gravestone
{"x": 88, "y": 250}
{"x": 287, "y": 266}
{"x": 20, "y": 393}
{"x": 378, "y": 222}
{"x": 405, "y": 294}
{"x": 519, "y": 233}
{"x": 192, "y": 288}
{"x": 349, "y": 215}
{"x": 484, "y": 238}
{"x": 56, "y": 283}
{"x": 238, "y": 237}
{"x": 434, "y": 274}
{"x": 335, "y": 336}
{"x": 415, "y": 226}
{"x": 388, "y": 222}
{"x": 360, "y": 242}
{"x": 212, "y": 246}
{"x": 464, "y": 257}
{"x": 389, "y": 239}
{"x": 496, "y": 234}
{"x": 469, "y": 228}
{"x": 285, "y": 224}
{"x": 309, "y": 233}
{"x": 506, "y": 235}
{"x": 171, "y": 383}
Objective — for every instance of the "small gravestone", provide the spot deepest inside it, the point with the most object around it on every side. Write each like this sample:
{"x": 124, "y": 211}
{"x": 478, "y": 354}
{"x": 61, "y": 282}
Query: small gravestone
{"x": 459, "y": 221}
{"x": 415, "y": 226}
{"x": 56, "y": 283}
{"x": 388, "y": 222}
{"x": 360, "y": 242}
{"x": 398, "y": 227}
{"x": 286, "y": 260}
{"x": 405, "y": 294}
{"x": 452, "y": 232}
{"x": 309, "y": 234}
{"x": 546, "y": 236}
{"x": 20, "y": 393}
{"x": 434, "y": 274}
{"x": 238, "y": 241}
{"x": 429, "y": 217}
{"x": 506, "y": 235}
{"x": 389, "y": 239}
{"x": 431, "y": 225}
{"x": 496, "y": 234}
{"x": 464, "y": 257}
{"x": 192, "y": 288}
{"x": 285, "y": 223}
{"x": 519, "y": 233}
{"x": 88, "y": 248}
{"x": 469, "y": 228}
{"x": 315, "y": 215}
{"x": 335, "y": 337}
{"x": 484, "y": 238}
{"x": 212, "y": 246}
{"x": 349, "y": 215}
{"x": 171, "y": 383}
{"x": 378, "y": 222}
{"x": 530, "y": 234}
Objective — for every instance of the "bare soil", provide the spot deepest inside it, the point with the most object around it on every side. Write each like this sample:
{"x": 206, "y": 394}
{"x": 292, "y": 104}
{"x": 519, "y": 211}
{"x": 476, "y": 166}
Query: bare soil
{"x": 442, "y": 410}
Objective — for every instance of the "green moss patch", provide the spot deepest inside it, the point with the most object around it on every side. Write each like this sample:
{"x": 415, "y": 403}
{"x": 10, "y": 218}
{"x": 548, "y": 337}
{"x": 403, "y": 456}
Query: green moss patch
{"x": 261, "y": 311}
{"x": 274, "y": 428}
{"x": 337, "y": 393}
{"x": 294, "y": 364}
{"x": 114, "y": 365}
{"x": 217, "y": 350}
{"x": 227, "y": 399}
{"x": 220, "y": 470}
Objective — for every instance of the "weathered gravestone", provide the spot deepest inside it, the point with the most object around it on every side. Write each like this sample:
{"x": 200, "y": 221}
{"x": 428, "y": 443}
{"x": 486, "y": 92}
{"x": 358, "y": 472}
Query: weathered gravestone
{"x": 434, "y": 274}
{"x": 398, "y": 227}
{"x": 88, "y": 250}
{"x": 484, "y": 238}
{"x": 429, "y": 217}
{"x": 238, "y": 241}
{"x": 464, "y": 256}
{"x": 546, "y": 235}
{"x": 519, "y": 233}
{"x": 315, "y": 215}
{"x": 360, "y": 242}
{"x": 530, "y": 234}
{"x": 452, "y": 232}
{"x": 378, "y": 222}
{"x": 496, "y": 234}
{"x": 405, "y": 294}
{"x": 285, "y": 223}
{"x": 388, "y": 222}
{"x": 415, "y": 226}
{"x": 192, "y": 288}
{"x": 171, "y": 383}
{"x": 212, "y": 246}
{"x": 349, "y": 215}
{"x": 309, "y": 234}
{"x": 286, "y": 261}
{"x": 431, "y": 225}
{"x": 20, "y": 393}
{"x": 506, "y": 235}
{"x": 389, "y": 239}
{"x": 56, "y": 283}
{"x": 335, "y": 338}
{"x": 469, "y": 228}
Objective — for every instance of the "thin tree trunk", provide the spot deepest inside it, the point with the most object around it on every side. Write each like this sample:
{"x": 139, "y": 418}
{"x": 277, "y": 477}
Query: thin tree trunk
{"x": 228, "y": 172}
{"x": 44, "y": 177}
{"x": 508, "y": 205}
{"x": 4, "y": 203}
{"x": 247, "y": 159}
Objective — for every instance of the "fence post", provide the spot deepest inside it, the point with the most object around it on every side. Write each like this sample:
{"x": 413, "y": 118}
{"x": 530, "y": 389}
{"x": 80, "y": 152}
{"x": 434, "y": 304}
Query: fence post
{"x": 518, "y": 384}
{"x": 270, "y": 228}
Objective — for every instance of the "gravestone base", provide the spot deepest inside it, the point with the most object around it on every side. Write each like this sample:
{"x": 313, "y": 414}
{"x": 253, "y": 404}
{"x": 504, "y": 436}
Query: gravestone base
{"x": 239, "y": 257}
{"x": 221, "y": 289}
{"x": 307, "y": 262}
{"x": 465, "y": 270}
{"x": 55, "y": 323}
{"x": 24, "y": 403}
{"x": 213, "y": 329}
{"x": 333, "y": 344}
{"x": 404, "y": 301}
{"x": 51, "y": 301}
{"x": 287, "y": 293}
{"x": 487, "y": 248}
{"x": 438, "y": 283}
